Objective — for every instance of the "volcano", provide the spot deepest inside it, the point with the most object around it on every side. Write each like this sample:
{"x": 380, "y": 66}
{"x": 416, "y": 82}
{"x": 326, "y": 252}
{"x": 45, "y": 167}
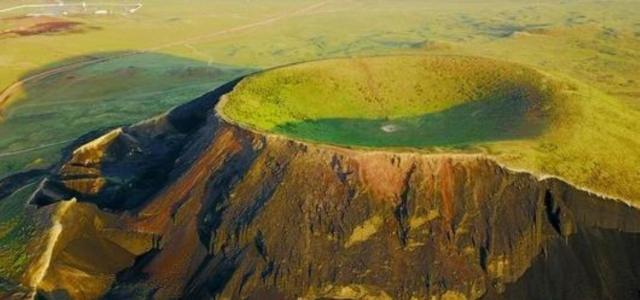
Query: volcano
{"x": 282, "y": 185}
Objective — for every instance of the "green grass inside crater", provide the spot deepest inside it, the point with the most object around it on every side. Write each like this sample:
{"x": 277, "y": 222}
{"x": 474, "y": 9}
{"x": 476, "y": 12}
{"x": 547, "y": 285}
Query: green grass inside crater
{"x": 404, "y": 101}
{"x": 458, "y": 126}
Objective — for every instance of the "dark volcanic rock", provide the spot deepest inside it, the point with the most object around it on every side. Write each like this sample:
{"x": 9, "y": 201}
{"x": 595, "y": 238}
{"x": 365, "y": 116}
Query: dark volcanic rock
{"x": 242, "y": 215}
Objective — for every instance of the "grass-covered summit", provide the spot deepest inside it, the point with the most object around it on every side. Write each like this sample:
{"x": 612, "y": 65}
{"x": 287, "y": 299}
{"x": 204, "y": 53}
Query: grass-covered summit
{"x": 406, "y": 101}
{"x": 544, "y": 123}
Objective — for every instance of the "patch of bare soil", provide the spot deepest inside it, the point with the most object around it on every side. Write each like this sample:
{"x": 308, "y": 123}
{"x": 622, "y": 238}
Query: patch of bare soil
{"x": 28, "y": 26}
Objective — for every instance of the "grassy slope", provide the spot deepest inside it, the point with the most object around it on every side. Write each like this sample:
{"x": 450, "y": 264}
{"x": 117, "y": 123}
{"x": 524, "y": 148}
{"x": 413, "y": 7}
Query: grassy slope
{"x": 370, "y": 88}
{"x": 596, "y": 145}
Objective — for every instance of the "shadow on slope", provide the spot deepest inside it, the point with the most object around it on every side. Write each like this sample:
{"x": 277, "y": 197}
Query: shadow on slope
{"x": 119, "y": 88}
{"x": 86, "y": 101}
{"x": 127, "y": 165}
{"x": 488, "y": 120}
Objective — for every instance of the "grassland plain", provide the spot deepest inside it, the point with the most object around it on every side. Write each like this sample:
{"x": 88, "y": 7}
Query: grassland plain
{"x": 593, "y": 44}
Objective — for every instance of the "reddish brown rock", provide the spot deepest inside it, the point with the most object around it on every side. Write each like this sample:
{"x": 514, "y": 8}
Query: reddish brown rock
{"x": 243, "y": 215}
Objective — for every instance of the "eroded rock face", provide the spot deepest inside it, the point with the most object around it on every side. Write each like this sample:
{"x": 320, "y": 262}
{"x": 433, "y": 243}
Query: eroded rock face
{"x": 84, "y": 248}
{"x": 235, "y": 214}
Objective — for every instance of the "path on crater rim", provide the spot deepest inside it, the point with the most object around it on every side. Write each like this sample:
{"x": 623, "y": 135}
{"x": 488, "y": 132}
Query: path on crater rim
{"x": 6, "y": 93}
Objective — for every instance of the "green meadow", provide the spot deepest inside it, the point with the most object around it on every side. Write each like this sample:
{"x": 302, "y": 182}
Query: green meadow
{"x": 396, "y": 101}
{"x": 74, "y": 104}
{"x": 461, "y": 126}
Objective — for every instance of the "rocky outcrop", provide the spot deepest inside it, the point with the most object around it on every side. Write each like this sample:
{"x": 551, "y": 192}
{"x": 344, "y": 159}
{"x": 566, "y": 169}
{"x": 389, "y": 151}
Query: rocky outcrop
{"x": 217, "y": 211}
{"x": 82, "y": 251}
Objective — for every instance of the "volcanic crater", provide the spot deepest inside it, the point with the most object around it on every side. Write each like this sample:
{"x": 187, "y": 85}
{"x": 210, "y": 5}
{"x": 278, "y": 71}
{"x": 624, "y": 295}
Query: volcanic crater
{"x": 438, "y": 101}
